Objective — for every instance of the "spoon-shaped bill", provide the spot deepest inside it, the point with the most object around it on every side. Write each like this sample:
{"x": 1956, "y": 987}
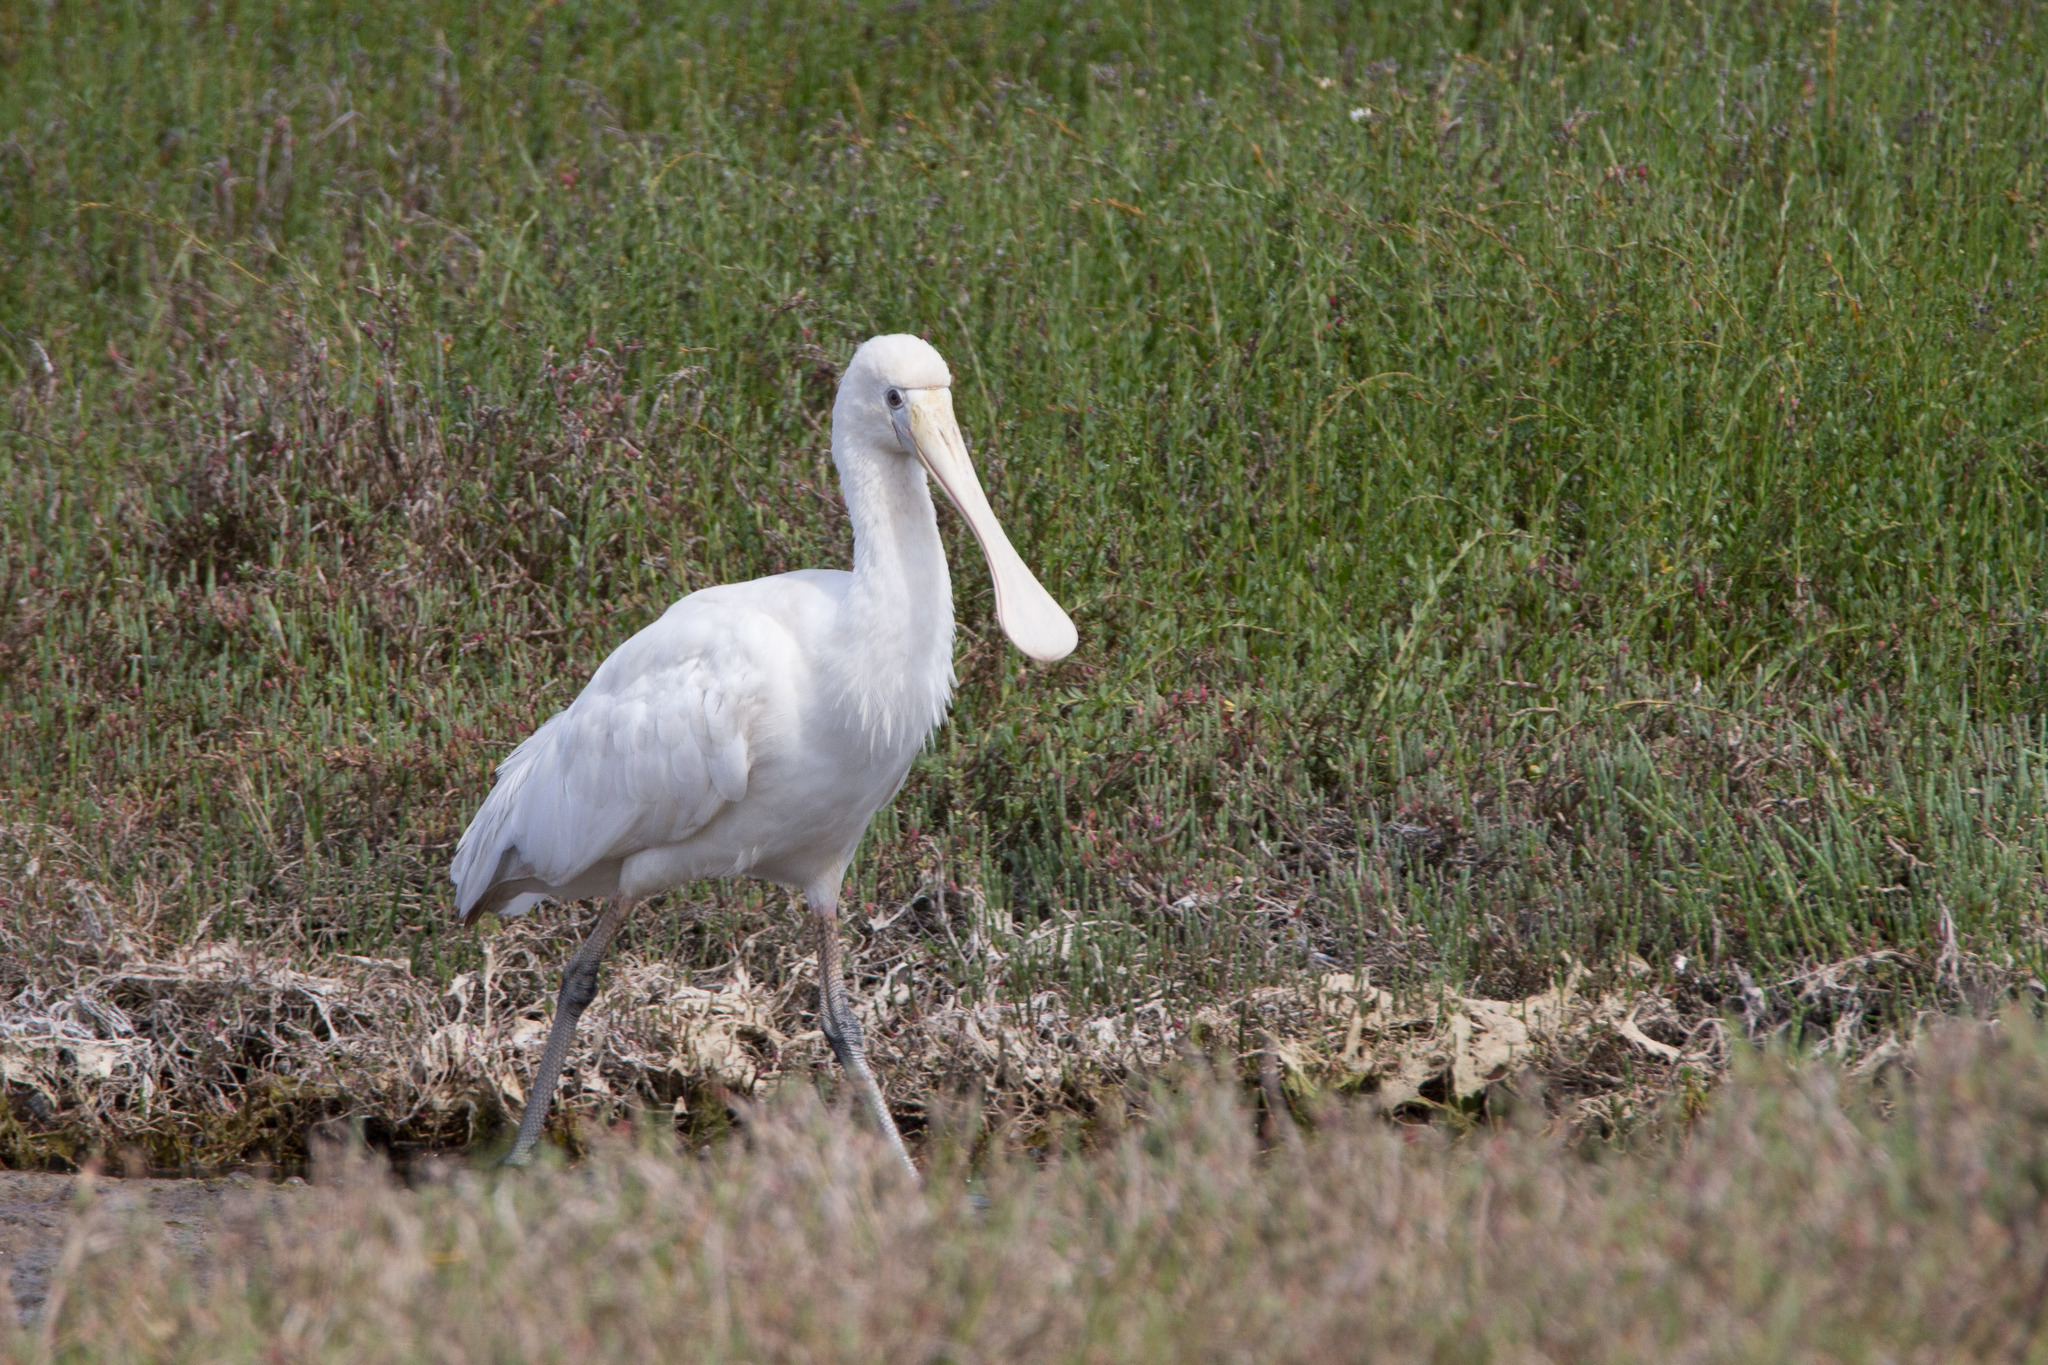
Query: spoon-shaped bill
{"x": 1033, "y": 621}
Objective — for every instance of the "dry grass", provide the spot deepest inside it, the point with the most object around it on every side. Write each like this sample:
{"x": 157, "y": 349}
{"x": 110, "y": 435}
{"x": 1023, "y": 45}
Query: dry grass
{"x": 1805, "y": 1216}
{"x": 202, "y": 1056}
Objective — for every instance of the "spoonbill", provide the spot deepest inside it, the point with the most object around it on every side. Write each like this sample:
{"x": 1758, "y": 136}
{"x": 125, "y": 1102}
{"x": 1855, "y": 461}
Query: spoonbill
{"x": 755, "y": 728}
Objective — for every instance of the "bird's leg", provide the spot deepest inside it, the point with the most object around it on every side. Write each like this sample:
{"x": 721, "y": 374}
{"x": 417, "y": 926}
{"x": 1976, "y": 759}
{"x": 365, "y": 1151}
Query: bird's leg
{"x": 842, "y": 1029}
{"x": 579, "y": 988}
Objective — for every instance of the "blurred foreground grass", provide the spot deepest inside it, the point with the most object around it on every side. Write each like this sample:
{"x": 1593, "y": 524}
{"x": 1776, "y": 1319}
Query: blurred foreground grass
{"x": 1791, "y": 1222}
{"x": 1537, "y": 485}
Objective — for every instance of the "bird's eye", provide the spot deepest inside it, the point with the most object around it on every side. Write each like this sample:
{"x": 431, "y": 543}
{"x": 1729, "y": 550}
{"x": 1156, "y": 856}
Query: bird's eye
{"x": 895, "y": 398}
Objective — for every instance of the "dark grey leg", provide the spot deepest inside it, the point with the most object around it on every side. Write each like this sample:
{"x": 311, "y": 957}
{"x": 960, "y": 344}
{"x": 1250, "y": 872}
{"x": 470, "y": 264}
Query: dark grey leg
{"x": 842, "y": 1029}
{"x": 579, "y": 988}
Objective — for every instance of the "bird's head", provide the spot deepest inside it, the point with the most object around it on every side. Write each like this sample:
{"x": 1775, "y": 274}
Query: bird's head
{"x": 896, "y": 401}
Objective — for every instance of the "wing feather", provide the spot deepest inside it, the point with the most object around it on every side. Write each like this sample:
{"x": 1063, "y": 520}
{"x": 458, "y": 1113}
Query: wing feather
{"x": 656, "y": 745}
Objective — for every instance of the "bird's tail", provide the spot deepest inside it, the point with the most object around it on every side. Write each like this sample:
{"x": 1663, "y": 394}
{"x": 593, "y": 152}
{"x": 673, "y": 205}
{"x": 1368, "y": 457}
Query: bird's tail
{"x": 480, "y": 861}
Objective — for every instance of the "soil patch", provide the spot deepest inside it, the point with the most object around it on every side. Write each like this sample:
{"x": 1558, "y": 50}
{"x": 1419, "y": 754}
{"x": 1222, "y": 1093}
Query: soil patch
{"x": 36, "y": 1209}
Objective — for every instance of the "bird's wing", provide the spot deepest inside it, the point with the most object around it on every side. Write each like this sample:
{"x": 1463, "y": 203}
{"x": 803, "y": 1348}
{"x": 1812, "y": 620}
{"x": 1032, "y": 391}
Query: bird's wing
{"x": 657, "y": 744}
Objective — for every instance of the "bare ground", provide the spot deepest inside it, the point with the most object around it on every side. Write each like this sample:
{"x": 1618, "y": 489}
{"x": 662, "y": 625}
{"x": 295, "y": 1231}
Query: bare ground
{"x": 36, "y": 1209}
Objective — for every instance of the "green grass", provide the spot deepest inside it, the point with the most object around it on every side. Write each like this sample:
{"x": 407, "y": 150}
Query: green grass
{"x": 1536, "y": 485}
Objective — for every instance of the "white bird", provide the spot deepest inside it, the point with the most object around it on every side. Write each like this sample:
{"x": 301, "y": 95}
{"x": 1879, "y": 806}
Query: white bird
{"x": 756, "y": 728}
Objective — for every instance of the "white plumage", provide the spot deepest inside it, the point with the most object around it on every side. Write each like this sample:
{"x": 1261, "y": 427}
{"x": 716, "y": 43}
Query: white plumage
{"x": 755, "y": 728}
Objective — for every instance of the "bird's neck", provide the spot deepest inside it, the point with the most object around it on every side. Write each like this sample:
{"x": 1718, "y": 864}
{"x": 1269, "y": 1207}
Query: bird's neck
{"x": 896, "y": 621}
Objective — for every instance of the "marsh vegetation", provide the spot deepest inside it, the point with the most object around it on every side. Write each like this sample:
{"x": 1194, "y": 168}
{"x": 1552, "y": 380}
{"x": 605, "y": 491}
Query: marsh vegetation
{"x": 1555, "y": 500}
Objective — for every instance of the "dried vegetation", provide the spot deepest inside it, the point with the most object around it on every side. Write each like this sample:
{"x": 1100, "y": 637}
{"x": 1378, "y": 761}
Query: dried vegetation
{"x": 1803, "y": 1215}
{"x": 206, "y": 1055}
